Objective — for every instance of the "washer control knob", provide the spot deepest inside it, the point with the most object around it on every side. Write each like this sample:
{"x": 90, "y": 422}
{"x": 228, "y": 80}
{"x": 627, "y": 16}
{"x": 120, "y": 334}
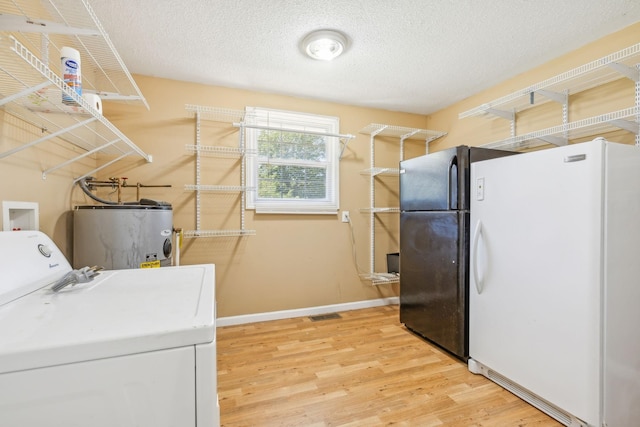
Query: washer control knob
{"x": 44, "y": 250}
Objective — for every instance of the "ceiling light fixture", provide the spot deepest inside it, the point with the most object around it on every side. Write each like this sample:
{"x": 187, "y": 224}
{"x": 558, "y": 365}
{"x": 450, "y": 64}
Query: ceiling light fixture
{"x": 324, "y": 45}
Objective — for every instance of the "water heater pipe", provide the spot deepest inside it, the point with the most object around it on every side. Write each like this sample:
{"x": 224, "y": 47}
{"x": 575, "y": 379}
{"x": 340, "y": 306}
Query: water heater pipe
{"x": 178, "y": 245}
{"x": 118, "y": 184}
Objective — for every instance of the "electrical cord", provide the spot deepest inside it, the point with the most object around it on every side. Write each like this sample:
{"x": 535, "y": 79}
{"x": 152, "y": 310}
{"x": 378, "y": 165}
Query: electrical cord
{"x": 85, "y": 274}
{"x": 353, "y": 249}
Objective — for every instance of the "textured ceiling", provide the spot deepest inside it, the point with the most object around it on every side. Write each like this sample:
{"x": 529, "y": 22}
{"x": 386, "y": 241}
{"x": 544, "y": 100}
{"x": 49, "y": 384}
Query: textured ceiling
{"x": 405, "y": 55}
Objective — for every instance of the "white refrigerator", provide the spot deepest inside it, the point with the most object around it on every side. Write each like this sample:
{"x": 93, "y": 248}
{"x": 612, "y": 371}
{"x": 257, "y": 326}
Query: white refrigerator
{"x": 554, "y": 310}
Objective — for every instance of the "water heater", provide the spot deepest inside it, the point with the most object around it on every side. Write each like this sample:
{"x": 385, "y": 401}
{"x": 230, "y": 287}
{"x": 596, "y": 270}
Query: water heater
{"x": 122, "y": 236}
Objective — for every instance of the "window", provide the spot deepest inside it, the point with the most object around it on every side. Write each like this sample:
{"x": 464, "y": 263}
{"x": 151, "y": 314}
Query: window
{"x": 294, "y": 166}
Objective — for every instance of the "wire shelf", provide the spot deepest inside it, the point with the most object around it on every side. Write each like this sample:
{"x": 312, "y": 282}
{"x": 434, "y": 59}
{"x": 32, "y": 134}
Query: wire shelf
{"x": 32, "y": 92}
{"x": 401, "y": 132}
{"x": 225, "y": 115}
{"x": 216, "y": 114}
{"x": 603, "y": 70}
{"x": 381, "y": 278}
{"x": 219, "y": 151}
{"x": 380, "y": 210}
{"x": 218, "y": 233}
{"x": 218, "y": 188}
{"x": 381, "y": 171}
{"x": 72, "y": 23}
{"x": 561, "y": 134}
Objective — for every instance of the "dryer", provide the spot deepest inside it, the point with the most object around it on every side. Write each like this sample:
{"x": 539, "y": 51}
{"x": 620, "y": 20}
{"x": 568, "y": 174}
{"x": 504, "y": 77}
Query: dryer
{"x": 132, "y": 347}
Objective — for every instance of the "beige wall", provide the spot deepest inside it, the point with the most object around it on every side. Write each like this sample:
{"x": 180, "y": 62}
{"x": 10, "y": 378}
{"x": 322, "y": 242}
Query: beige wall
{"x": 21, "y": 176}
{"x": 292, "y": 261}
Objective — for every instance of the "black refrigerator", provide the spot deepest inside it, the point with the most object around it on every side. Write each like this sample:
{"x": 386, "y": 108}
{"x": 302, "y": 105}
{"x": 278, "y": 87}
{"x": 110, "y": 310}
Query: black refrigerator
{"x": 434, "y": 245}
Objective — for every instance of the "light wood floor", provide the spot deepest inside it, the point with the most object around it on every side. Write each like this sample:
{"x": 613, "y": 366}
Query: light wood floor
{"x": 364, "y": 369}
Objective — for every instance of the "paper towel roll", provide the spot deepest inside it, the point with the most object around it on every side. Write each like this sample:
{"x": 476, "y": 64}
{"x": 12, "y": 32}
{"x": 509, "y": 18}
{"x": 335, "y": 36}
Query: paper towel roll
{"x": 93, "y": 100}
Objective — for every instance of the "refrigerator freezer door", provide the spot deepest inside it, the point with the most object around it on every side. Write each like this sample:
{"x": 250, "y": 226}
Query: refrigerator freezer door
{"x": 440, "y": 181}
{"x": 433, "y": 295}
{"x": 430, "y": 182}
{"x": 622, "y": 293}
{"x": 534, "y": 307}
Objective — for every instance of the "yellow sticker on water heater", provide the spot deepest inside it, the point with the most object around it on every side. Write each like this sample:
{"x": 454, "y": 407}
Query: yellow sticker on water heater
{"x": 150, "y": 264}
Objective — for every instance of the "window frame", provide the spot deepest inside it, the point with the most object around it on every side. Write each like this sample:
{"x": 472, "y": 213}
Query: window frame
{"x": 258, "y": 119}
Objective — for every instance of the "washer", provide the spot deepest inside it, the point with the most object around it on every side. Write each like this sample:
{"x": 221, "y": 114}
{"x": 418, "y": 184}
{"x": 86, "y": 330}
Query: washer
{"x": 129, "y": 348}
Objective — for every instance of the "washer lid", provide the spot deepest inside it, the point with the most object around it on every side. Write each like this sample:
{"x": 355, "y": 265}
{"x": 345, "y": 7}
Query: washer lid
{"x": 121, "y": 312}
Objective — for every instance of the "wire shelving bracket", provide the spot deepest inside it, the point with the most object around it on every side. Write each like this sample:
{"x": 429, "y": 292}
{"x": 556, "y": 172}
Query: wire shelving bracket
{"x": 224, "y": 115}
{"x": 403, "y": 134}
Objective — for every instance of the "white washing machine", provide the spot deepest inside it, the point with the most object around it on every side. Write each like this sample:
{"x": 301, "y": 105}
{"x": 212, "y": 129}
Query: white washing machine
{"x": 129, "y": 348}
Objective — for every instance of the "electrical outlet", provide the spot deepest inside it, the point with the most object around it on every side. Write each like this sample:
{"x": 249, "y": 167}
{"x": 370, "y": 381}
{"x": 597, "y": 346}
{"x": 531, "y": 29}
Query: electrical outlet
{"x": 345, "y": 216}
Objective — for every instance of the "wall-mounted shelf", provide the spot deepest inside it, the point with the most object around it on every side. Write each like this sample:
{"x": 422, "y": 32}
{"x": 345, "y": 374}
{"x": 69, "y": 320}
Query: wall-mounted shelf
{"x": 218, "y": 233}
{"x": 216, "y": 114}
{"x": 218, "y": 151}
{"x": 380, "y": 171}
{"x": 218, "y": 188}
{"x": 58, "y": 23}
{"x": 380, "y": 210}
{"x": 223, "y": 115}
{"x": 376, "y": 172}
{"x": 401, "y": 132}
{"x": 584, "y": 77}
{"x": 32, "y": 34}
{"x": 560, "y": 135}
{"x": 622, "y": 64}
{"x": 381, "y": 278}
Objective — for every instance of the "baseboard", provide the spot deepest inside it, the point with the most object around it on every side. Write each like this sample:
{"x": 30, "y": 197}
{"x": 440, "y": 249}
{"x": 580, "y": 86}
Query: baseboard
{"x": 301, "y": 312}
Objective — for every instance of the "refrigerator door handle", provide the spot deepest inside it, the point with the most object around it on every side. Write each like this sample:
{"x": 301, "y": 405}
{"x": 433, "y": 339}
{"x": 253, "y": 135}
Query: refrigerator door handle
{"x": 453, "y": 161}
{"x": 474, "y": 261}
